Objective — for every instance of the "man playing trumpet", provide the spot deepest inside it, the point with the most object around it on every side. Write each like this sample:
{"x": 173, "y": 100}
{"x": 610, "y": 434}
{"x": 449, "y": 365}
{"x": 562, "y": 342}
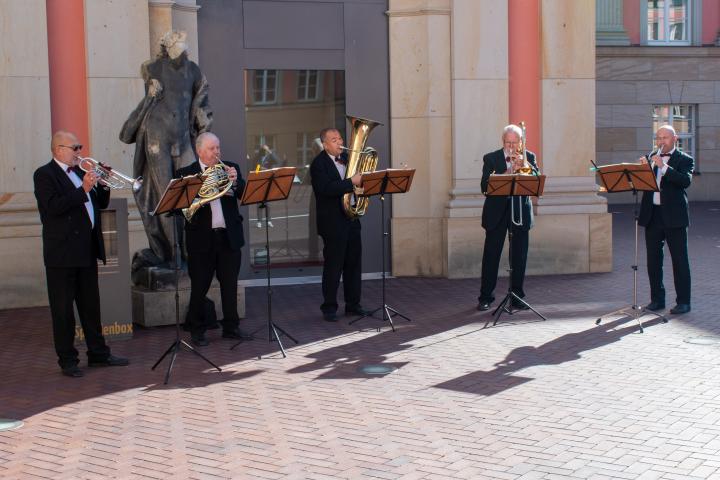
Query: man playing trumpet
{"x": 69, "y": 201}
{"x": 497, "y": 217}
{"x": 666, "y": 216}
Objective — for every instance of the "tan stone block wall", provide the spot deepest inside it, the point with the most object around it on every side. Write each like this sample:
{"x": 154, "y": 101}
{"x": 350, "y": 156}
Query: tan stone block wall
{"x": 417, "y": 245}
{"x": 24, "y": 93}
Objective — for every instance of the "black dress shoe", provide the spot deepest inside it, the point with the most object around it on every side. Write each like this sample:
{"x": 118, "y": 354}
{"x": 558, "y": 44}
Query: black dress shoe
{"x": 237, "y": 334}
{"x": 680, "y": 308}
{"x": 356, "y": 311}
{"x": 110, "y": 361}
{"x": 73, "y": 371}
{"x": 199, "y": 340}
{"x": 482, "y": 306}
{"x": 519, "y": 306}
{"x": 330, "y": 317}
{"x": 655, "y": 306}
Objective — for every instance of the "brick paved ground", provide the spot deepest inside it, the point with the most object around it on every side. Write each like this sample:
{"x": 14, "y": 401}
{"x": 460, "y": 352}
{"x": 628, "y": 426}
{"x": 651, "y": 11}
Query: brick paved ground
{"x": 561, "y": 399}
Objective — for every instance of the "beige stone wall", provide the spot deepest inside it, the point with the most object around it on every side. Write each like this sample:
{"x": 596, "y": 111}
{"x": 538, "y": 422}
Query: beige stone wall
{"x": 117, "y": 43}
{"x": 630, "y": 80}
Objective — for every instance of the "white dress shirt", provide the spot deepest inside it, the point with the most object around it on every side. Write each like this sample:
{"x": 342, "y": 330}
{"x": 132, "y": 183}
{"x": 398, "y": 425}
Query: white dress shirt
{"x": 218, "y": 219}
{"x": 339, "y": 165}
{"x": 78, "y": 183}
{"x": 659, "y": 175}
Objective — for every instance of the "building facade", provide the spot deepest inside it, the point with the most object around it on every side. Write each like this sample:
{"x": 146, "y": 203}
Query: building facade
{"x": 442, "y": 76}
{"x": 659, "y": 62}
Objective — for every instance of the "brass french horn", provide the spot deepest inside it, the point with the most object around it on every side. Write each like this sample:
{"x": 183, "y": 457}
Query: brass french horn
{"x": 216, "y": 183}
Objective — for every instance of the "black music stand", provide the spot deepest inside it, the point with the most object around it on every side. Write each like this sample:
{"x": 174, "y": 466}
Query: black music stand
{"x": 179, "y": 194}
{"x": 261, "y": 187}
{"x": 384, "y": 182}
{"x": 513, "y": 185}
{"x": 630, "y": 177}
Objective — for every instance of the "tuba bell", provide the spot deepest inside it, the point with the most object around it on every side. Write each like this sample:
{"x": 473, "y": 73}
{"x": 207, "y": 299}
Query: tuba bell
{"x": 361, "y": 159}
{"x": 216, "y": 183}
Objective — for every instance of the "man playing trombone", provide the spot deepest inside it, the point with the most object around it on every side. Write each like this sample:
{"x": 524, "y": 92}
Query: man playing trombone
{"x": 500, "y": 213}
{"x": 69, "y": 201}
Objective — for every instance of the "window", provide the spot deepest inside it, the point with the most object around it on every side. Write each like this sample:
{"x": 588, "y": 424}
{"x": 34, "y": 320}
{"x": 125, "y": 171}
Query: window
{"x": 264, "y": 85}
{"x": 682, "y": 118}
{"x": 282, "y": 130}
{"x": 668, "y": 22}
{"x": 308, "y": 85}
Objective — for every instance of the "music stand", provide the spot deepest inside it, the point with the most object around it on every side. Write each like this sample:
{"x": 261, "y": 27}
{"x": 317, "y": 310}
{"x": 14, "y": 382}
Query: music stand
{"x": 626, "y": 177}
{"x": 384, "y": 182}
{"x": 179, "y": 194}
{"x": 262, "y": 187}
{"x": 513, "y": 185}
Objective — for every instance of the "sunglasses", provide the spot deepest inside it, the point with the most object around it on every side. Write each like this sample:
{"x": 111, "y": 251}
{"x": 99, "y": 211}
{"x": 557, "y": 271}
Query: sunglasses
{"x": 75, "y": 148}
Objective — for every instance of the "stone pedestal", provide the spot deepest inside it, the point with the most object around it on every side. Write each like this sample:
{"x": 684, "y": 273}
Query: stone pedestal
{"x": 153, "y": 301}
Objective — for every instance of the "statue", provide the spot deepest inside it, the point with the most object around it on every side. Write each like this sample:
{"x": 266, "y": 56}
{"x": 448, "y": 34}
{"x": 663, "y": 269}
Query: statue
{"x": 163, "y": 127}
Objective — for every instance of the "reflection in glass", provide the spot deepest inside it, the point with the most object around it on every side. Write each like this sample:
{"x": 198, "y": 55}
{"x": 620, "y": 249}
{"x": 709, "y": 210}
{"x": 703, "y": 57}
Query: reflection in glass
{"x": 668, "y": 21}
{"x": 682, "y": 118}
{"x": 110, "y": 237}
{"x": 285, "y": 111}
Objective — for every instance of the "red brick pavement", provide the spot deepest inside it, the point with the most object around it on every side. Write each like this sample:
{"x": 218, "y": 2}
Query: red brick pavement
{"x": 527, "y": 399}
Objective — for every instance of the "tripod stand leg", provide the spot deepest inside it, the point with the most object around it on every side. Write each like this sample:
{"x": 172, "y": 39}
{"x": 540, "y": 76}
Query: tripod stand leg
{"x": 277, "y": 338}
{"x": 280, "y": 329}
{"x": 397, "y": 313}
{"x": 173, "y": 345}
{"x": 520, "y": 300}
{"x": 498, "y": 311}
{"x": 386, "y": 312}
{"x": 192, "y": 349}
{"x": 365, "y": 315}
{"x": 172, "y": 362}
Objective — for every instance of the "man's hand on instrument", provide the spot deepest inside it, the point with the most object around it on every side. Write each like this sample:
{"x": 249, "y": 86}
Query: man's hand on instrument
{"x": 642, "y": 160}
{"x": 658, "y": 161}
{"x": 356, "y": 179}
{"x": 89, "y": 181}
{"x": 232, "y": 173}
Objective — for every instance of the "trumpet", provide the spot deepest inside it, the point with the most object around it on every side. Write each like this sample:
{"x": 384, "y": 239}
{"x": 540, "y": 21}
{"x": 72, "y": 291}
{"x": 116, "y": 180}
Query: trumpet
{"x": 108, "y": 176}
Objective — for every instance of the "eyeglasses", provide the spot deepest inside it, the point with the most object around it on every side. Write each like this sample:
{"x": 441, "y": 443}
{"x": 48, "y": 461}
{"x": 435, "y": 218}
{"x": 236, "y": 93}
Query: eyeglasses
{"x": 75, "y": 148}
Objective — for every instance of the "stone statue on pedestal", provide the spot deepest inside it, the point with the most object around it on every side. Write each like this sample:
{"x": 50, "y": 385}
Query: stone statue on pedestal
{"x": 174, "y": 111}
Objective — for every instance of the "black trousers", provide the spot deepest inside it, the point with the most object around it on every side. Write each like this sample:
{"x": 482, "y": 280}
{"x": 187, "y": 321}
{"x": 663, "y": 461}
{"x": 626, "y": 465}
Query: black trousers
{"x": 655, "y": 236}
{"x": 342, "y": 253}
{"x": 494, "y": 243}
{"x": 80, "y": 286}
{"x": 219, "y": 261}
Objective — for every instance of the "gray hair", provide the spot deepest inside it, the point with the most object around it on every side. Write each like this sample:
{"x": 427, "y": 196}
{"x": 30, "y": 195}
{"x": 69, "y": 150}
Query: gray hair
{"x": 201, "y": 138}
{"x": 512, "y": 128}
{"x": 669, "y": 128}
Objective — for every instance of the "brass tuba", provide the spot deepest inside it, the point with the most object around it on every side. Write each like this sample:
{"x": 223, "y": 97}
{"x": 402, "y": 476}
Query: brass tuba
{"x": 361, "y": 159}
{"x": 216, "y": 183}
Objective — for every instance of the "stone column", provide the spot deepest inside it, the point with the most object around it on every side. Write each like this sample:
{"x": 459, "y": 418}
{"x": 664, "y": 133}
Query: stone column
{"x": 610, "y": 29}
{"x": 174, "y": 15}
{"x": 421, "y": 129}
{"x": 480, "y": 111}
{"x": 572, "y": 220}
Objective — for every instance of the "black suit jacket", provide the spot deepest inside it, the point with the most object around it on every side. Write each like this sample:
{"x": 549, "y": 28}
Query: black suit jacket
{"x": 673, "y": 197}
{"x": 69, "y": 239}
{"x": 495, "y": 206}
{"x": 329, "y": 189}
{"x": 198, "y": 231}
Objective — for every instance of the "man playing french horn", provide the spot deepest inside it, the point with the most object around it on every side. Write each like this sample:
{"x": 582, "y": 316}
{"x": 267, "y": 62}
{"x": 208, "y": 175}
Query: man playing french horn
{"x": 499, "y": 215}
{"x": 214, "y": 239}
